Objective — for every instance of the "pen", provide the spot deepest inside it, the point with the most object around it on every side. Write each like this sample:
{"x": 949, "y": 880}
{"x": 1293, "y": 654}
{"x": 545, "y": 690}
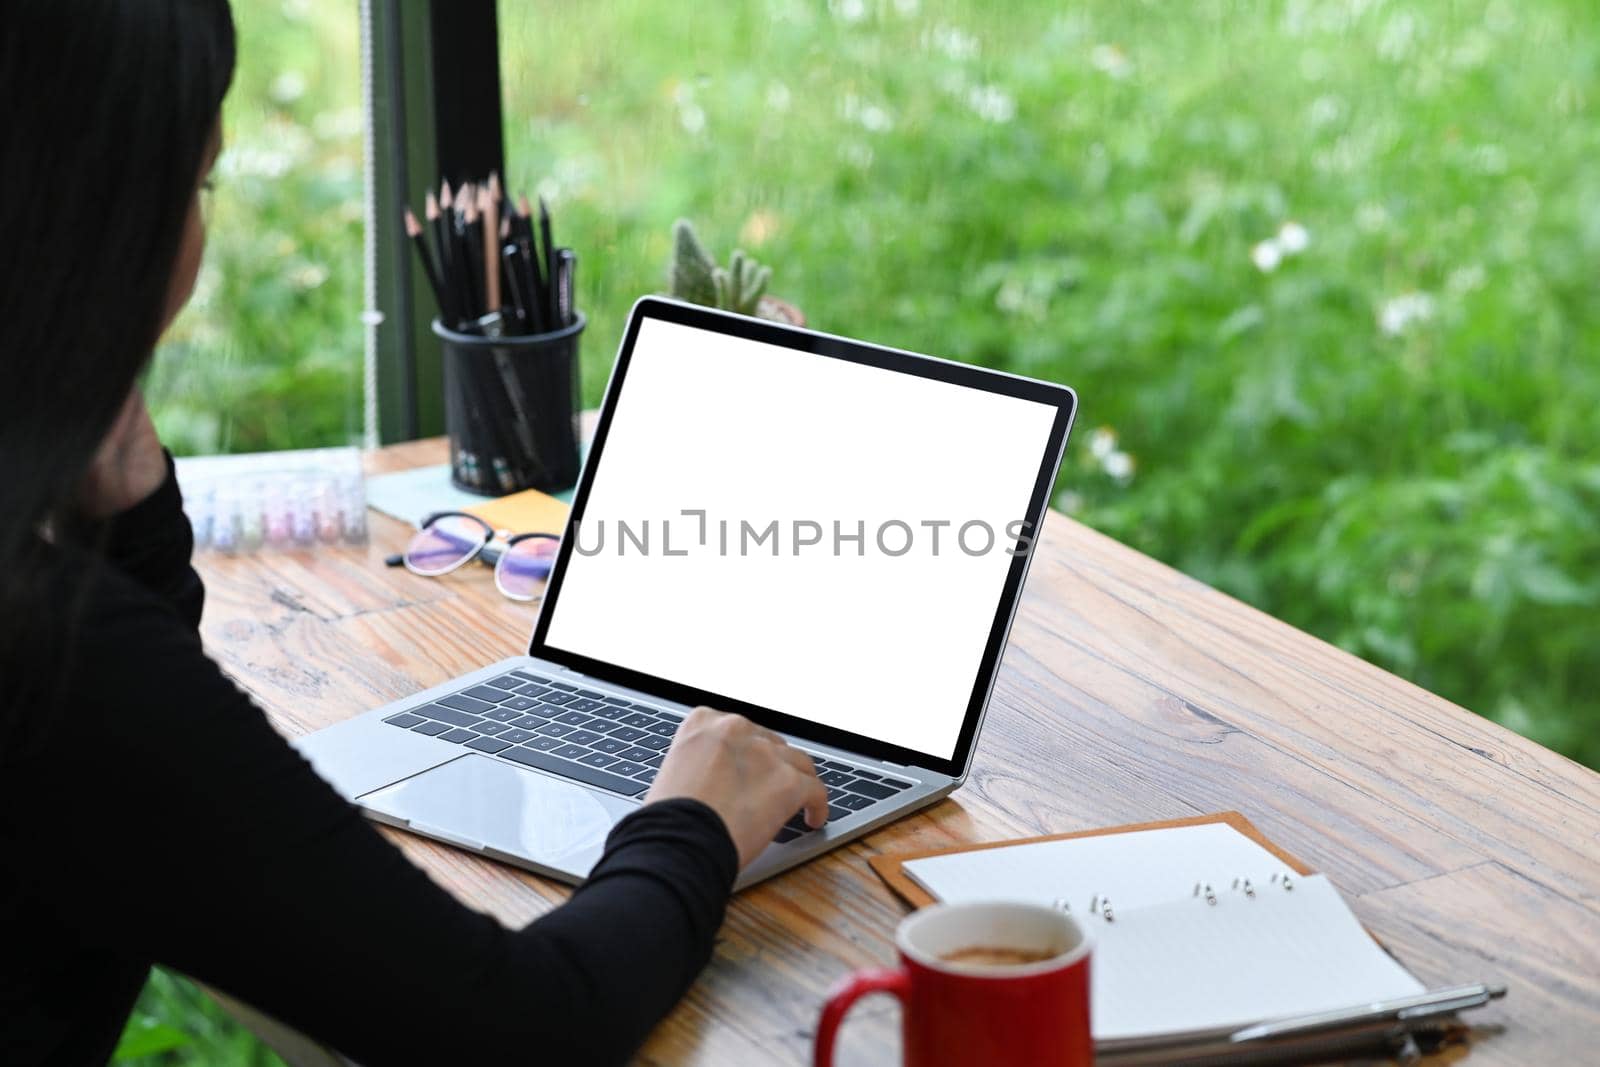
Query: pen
{"x": 511, "y": 254}
{"x": 552, "y": 312}
{"x": 1400, "y": 1009}
{"x": 566, "y": 263}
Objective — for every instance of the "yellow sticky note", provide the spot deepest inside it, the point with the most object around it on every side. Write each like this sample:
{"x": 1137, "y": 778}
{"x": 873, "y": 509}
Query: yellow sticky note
{"x": 529, "y": 511}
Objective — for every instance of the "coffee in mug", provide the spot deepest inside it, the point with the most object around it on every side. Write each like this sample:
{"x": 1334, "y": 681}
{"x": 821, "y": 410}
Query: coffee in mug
{"x": 986, "y": 956}
{"x": 979, "y": 984}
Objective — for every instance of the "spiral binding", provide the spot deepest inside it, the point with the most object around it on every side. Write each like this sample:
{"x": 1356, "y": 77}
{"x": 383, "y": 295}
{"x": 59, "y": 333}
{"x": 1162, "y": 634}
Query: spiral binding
{"x": 1100, "y": 905}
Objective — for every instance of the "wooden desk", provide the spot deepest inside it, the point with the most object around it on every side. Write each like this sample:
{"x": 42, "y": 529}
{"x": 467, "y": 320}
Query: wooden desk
{"x": 1129, "y": 693}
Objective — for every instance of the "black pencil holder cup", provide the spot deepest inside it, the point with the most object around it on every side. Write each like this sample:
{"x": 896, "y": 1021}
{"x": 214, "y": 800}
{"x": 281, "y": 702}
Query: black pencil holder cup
{"x": 511, "y": 409}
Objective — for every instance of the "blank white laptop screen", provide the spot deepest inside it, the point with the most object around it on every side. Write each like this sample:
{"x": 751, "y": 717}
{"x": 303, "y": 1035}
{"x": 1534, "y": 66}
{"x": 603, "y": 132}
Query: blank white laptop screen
{"x": 881, "y": 636}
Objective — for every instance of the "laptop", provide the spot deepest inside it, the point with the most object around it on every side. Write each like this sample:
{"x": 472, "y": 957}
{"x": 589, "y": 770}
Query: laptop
{"x": 827, "y": 536}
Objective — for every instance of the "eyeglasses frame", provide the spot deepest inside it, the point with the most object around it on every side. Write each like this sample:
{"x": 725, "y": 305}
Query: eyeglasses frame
{"x": 481, "y": 551}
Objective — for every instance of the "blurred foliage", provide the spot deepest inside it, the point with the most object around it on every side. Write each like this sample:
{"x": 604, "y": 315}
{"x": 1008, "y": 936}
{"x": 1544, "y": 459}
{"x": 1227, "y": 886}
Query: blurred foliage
{"x": 1324, "y": 272}
{"x": 268, "y": 354}
{"x": 177, "y": 1024}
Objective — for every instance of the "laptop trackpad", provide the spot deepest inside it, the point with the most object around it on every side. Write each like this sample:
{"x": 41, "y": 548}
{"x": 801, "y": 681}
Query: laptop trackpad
{"x": 477, "y": 801}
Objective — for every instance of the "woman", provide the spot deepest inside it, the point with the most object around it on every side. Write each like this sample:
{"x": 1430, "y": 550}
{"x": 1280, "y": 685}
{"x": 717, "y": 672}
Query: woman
{"x": 148, "y": 813}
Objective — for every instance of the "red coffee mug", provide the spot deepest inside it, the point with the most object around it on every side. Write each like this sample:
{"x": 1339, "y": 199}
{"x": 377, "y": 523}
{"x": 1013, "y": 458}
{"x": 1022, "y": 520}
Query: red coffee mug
{"x": 960, "y": 1014}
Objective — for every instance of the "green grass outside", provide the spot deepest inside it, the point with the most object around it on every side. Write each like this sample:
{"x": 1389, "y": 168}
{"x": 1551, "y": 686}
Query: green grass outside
{"x": 1388, "y": 438}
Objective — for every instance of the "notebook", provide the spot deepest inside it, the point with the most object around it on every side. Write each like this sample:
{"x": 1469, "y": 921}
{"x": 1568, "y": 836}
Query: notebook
{"x": 529, "y": 511}
{"x": 1199, "y": 926}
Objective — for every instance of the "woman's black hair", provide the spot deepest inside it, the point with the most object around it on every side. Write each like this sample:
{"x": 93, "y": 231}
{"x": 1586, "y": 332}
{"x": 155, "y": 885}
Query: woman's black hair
{"x": 107, "y": 109}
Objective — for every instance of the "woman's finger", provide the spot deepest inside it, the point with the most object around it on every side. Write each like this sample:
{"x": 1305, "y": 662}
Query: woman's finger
{"x": 811, "y": 795}
{"x": 801, "y": 761}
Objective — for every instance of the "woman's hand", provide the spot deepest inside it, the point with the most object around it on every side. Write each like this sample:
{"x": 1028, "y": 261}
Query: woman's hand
{"x": 745, "y": 773}
{"x": 128, "y": 466}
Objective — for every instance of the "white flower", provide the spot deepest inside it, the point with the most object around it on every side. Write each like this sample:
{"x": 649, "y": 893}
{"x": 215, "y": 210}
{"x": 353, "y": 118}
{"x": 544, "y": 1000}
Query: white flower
{"x": 1110, "y": 60}
{"x": 1398, "y": 313}
{"x": 875, "y": 118}
{"x": 1010, "y": 296}
{"x": 848, "y": 10}
{"x": 691, "y": 116}
{"x": 1119, "y": 465}
{"x": 954, "y": 43}
{"x": 871, "y": 117}
{"x": 1290, "y": 240}
{"x": 1103, "y": 442}
{"x": 287, "y": 87}
{"x": 1293, "y": 238}
{"x": 308, "y": 275}
{"x": 1398, "y": 36}
{"x": 1266, "y": 255}
{"x": 992, "y": 103}
{"x": 245, "y": 160}
{"x": 1326, "y": 109}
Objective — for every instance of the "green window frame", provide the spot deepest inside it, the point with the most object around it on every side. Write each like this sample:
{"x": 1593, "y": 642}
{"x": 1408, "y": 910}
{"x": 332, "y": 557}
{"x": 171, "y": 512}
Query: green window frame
{"x": 431, "y": 94}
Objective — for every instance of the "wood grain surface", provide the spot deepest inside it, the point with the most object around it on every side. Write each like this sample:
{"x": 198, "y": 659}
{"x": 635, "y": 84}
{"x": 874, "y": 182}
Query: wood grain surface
{"x": 1129, "y": 693}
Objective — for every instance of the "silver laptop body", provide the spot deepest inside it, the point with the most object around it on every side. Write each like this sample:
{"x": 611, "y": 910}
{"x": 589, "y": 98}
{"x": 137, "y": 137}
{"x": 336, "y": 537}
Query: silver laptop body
{"x": 518, "y": 761}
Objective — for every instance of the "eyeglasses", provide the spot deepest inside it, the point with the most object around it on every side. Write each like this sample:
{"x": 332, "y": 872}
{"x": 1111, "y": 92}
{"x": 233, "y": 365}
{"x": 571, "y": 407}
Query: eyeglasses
{"x": 449, "y": 539}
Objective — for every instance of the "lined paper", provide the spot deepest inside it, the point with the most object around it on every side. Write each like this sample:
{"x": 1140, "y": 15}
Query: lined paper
{"x": 1170, "y": 961}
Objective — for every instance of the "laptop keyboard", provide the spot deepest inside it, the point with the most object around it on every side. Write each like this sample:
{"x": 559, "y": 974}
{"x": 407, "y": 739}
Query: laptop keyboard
{"x": 600, "y": 740}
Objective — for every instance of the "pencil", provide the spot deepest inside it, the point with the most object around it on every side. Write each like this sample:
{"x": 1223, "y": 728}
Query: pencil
{"x": 490, "y": 206}
{"x": 414, "y": 231}
{"x": 472, "y": 257}
{"x": 533, "y": 280}
{"x": 442, "y": 251}
{"x": 451, "y": 254}
{"x": 430, "y": 211}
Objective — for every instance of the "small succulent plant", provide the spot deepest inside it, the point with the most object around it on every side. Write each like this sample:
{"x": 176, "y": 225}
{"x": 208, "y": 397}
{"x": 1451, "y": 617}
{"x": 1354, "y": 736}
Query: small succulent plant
{"x": 694, "y": 276}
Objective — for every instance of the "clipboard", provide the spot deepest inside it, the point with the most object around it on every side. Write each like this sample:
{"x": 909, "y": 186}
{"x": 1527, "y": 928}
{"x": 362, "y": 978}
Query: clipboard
{"x": 891, "y": 868}
{"x": 1447, "y": 1041}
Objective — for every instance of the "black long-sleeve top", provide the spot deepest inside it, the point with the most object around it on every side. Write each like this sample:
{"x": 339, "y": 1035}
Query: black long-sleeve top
{"x": 157, "y": 817}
